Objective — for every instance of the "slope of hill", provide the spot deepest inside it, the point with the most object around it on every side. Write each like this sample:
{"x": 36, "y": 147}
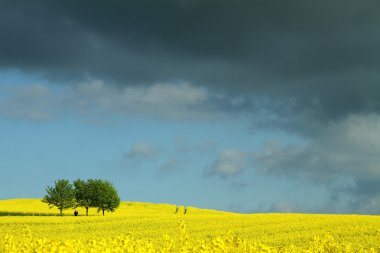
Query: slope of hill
{"x": 149, "y": 222}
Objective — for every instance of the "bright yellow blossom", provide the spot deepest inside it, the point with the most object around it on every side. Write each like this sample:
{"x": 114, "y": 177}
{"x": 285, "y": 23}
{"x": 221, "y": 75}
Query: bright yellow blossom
{"x": 29, "y": 226}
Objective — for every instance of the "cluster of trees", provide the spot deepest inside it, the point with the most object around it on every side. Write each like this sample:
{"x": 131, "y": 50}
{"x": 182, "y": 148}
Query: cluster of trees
{"x": 93, "y": 193}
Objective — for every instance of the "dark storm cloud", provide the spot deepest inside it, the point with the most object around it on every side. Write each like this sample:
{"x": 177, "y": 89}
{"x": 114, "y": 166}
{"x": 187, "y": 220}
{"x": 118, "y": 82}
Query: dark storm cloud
{"x": 325, "y": 51}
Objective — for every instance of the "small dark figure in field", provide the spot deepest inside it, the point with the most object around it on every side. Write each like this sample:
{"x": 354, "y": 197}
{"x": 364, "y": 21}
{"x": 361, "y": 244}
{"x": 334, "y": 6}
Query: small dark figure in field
{"x": 184, "y": 210}
{"x": 75, "y": 213}
{"x": 176, "y": 209}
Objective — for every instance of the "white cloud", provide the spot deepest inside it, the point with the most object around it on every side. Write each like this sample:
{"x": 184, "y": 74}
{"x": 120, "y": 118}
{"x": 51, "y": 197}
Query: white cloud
{"x": 282, "y": 206}
{"x": 141, "y": 151}
{"x": 31, "y": 102}
{"x": 97, "y": 100}
{"x": 344, "y": 157}
{"x": 169, "y": 167}
{"x": 229, "y": 163}
{"x": 349, "y": 147}
{"x": 171, "y": 101}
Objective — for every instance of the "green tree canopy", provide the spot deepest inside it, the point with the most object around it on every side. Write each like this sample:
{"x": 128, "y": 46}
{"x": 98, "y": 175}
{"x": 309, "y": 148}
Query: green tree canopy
{"x": 106, "y": 197}
{"x": 62, "y": 195}
{"x": 84, "y": 194}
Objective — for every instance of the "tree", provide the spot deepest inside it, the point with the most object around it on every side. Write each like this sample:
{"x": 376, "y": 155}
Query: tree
{"x": 84, "y": 194}
{"x": 105, "y": 195}
{"x": 62, "y": 195}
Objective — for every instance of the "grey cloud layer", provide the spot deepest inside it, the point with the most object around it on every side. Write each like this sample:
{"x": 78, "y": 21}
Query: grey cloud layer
{"x": 32, "y": 103}
{"x": 98, "y": 101}
{"x": 325, "y": 51}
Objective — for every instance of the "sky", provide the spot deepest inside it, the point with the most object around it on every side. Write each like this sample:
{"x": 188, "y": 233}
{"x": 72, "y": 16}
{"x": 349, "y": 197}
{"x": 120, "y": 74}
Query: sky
{"x": 244, "y": 106}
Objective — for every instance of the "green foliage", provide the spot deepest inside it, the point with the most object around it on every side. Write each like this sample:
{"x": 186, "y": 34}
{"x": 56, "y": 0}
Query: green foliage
{"x": 95, "y": 193}
{"x": 84, "y": 194}
{"x": 62, "y": 195}
{"x": 105, "y": 195}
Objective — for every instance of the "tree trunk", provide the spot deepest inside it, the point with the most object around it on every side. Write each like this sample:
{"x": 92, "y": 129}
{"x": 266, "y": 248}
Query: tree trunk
{"x": 86, "y": 211}
{"x": 60, "y": 212}
{"x": 103, "y": 212}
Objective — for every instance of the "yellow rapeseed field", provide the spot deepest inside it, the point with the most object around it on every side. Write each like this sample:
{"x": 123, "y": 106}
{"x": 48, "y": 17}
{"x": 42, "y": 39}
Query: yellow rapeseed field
{"x": 27, "y": 225}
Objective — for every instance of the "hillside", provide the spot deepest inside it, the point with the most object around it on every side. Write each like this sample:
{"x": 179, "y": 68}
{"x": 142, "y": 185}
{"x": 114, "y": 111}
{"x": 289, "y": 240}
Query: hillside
{"x": 150, "y": 222}
{"x": 34, "y": 207}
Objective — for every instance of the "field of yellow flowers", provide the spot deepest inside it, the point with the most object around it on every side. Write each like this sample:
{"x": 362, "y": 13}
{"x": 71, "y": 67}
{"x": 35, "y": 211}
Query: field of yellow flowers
{"x": 27, "y": 225}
